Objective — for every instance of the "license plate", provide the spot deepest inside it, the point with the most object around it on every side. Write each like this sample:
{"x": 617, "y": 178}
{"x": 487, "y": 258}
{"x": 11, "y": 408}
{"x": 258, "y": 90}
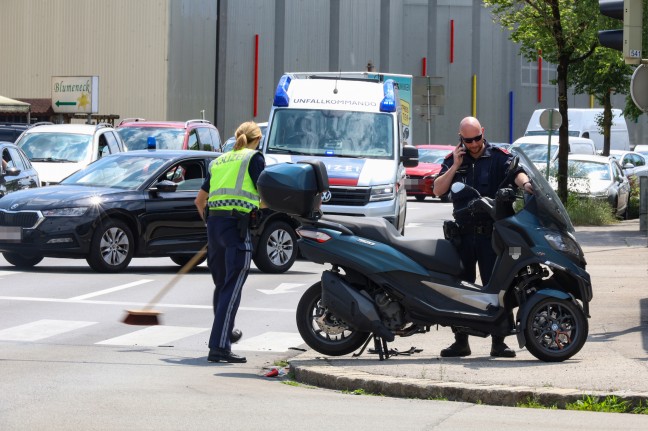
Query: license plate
{"x": 10, "y": 233}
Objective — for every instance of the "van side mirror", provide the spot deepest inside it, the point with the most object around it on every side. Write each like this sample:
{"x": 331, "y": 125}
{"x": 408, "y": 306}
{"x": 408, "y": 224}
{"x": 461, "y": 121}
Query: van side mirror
{"x": 410, "y": 157}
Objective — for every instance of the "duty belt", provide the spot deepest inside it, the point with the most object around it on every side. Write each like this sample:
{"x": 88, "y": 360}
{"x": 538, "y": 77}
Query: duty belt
{"x": 483, "y": 228}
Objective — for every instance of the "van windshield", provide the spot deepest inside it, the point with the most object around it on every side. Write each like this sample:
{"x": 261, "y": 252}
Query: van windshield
{"x": 537, "y": 153}
{"x": 334, "y": 133}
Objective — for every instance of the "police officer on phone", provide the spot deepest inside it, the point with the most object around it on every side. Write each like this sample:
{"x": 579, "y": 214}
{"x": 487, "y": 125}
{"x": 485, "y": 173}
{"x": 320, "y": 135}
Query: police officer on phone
{"x": 229, "y": 192}
{"x": 476, "y": 163}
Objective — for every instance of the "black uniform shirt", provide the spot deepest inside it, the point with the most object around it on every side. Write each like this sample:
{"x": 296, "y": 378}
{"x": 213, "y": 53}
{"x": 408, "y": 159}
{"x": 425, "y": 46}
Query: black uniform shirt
{"x": 485, "y": 174}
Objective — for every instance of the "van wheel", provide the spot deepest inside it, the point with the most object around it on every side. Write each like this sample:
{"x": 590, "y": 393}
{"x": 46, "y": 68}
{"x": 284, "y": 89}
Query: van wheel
{"x": 277, "y": 248}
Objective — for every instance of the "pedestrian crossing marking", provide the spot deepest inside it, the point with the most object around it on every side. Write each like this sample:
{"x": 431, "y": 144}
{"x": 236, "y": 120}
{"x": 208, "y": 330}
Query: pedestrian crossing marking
{"x": 41, "y": 329}
{"x": 111, "y": 290}
{"x": 269, "y": 341}
{"x": 153, "y": 336}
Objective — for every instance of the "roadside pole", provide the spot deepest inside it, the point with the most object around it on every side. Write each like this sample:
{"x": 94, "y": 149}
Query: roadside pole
{"x": 643, "y": 203}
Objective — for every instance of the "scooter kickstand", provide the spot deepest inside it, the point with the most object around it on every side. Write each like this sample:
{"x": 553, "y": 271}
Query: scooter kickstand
{"x": 380, "y": 347}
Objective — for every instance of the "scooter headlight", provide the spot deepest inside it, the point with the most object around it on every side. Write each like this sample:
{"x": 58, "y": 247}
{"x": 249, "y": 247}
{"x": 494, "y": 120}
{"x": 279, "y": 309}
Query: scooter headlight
{"x": 563, "y": 243}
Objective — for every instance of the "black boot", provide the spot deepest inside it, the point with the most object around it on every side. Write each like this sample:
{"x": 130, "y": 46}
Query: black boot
{"x": 500, "y": 350}
{"x": 459, "y": 348}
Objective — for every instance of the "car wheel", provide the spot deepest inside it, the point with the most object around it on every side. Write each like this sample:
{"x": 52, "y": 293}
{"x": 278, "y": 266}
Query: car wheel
{"x": 111, "y": 249}
{"x": 277, "y": 248}
{"x": 22, "y": 261}
{"x": 419, "y": 198}
{"x": 182, "y": 259}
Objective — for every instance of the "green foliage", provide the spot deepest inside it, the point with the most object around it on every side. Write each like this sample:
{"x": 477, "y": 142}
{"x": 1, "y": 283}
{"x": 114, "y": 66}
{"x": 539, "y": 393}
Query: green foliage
{"x": 557, "y": 27}
{"x": 589, "y": 212}
{"x": 533, "y": 403}
{"x": 610, "y": 404}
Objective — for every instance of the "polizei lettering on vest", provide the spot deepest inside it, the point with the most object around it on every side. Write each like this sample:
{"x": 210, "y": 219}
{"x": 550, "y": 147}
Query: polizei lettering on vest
{"x": 231, "y": 158}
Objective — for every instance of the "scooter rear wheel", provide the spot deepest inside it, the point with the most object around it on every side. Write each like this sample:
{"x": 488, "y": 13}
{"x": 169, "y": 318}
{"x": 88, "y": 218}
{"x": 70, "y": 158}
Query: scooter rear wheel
{"x": 321, "y": 330}
{"x": 556, "y": 329}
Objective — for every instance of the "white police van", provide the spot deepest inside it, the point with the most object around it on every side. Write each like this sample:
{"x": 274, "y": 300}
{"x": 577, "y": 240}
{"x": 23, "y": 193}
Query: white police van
{"x": 351, "y": 122}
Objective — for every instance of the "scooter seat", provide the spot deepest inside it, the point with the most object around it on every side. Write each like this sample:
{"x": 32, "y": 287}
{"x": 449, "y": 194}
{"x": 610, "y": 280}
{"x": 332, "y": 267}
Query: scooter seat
{"x": 437, "y": 255}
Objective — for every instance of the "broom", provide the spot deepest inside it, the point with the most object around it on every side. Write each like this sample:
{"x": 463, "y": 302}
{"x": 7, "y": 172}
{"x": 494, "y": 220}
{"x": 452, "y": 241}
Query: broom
{"x": 147, "y": 316}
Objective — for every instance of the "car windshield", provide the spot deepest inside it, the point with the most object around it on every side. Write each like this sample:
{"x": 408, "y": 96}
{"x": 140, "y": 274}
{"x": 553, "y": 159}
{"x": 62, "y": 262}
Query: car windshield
{"x": 331, "y": 133}
{"x": 550, "y": 210}
{"x": 118, "y": 172}
{"x": 136, "y": 138}
{"x": 432, "y": 155}
{"x": 56, "y": 147}
{"x": 536, "y": 152}
{"x": 589, "y": 170}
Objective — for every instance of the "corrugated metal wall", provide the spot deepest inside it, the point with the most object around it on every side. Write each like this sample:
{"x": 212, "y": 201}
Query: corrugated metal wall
{"x": 171, "y": 59}
{"x": 191, "y": 60}
{"x": 123, "y": 42}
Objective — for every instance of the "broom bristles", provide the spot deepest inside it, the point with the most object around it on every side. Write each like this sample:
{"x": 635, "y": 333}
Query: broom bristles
{"x": 142, "y": 317}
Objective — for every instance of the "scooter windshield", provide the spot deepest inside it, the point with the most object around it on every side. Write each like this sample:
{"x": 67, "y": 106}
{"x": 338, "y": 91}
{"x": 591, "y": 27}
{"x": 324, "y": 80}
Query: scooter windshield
{"x": 550, "y": 210}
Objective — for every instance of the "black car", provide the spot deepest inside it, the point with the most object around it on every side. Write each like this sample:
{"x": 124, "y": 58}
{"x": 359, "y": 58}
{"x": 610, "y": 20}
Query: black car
{"x": 11, "y": 132}
{"x": 131, "y": 204}
{"x": 17, "y": 172}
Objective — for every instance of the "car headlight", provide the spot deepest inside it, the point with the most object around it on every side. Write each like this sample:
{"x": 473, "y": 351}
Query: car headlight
{"x": 382, "y": 193}
{"x": 563, "y": 243}
{"x": 65, "y": 212}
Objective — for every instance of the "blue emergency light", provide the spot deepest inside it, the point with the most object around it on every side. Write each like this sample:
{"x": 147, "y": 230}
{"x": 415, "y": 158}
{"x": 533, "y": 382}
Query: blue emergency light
{"x": 388, "y": 104}
{"x": 281, "y": 95}
{"x": 150, "y": 143}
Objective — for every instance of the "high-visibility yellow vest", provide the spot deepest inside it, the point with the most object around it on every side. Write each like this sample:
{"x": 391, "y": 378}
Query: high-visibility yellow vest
{"x": 231, "y": 187}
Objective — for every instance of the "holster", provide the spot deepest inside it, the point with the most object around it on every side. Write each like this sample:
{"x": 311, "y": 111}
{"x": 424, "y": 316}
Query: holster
{"x": 256, "y": 216}
{"x": 243, "y": 224}
{"x": 452, "y": 232}
{"x": 451, "y": 229}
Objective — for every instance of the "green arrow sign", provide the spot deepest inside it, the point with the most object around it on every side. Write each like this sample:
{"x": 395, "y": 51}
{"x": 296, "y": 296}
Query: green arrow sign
{"x": 59, "y": 103}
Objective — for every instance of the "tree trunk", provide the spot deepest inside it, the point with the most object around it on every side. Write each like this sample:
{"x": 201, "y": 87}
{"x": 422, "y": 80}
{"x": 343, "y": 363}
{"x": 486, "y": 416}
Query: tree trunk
{"x": 563, "y": 131}
{"x": 607, "y": 122}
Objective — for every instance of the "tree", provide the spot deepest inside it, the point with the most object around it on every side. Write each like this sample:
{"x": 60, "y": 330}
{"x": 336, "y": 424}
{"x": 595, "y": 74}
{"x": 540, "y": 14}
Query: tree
{"x": 565, "y": 31}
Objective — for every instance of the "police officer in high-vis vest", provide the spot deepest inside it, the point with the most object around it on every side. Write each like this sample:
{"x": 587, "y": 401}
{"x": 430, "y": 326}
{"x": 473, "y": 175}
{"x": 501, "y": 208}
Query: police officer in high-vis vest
{"x": 230, "y": 195}
{"x": 483, "y": 167}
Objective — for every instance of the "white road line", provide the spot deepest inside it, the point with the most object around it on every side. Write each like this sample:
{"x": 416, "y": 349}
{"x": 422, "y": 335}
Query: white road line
{"x": 110, "y": 290}
{"x": 4, "y": 272}
{"x": 153, "y": 336}
{"x": 137, "y": 304}
{"x": 40, "y": 329}
{"x": 269, "y": 342}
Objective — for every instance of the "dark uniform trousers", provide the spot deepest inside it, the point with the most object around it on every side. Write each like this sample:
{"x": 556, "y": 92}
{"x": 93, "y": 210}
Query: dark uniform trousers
{"x": 475, "y": 248}
{"x": 228, "y": 258}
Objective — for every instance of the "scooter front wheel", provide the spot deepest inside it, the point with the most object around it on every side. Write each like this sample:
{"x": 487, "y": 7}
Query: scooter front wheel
{"x": 321, "y": 330}
{"x": 556, "y": 330}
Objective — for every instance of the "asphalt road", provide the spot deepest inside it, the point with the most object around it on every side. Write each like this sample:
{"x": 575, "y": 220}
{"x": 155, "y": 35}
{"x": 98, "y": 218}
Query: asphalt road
{"x": 68, "y": 362}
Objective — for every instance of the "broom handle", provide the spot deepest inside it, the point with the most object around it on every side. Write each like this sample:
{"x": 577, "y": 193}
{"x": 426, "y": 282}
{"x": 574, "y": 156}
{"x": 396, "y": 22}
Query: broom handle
{"x": 185, "y": 269}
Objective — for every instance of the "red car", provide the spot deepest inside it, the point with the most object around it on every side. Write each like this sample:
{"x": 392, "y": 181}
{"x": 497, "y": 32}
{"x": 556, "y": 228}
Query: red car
{"x": 169, "y": 135}
{"x": 420, "y": 180}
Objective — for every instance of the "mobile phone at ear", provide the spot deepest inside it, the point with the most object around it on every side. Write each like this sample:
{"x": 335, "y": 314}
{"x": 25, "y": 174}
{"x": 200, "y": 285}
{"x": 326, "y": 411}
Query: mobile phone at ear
{"x": 463, "y": 146}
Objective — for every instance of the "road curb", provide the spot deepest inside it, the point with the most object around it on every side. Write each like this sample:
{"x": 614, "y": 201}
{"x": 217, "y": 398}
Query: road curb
{"x": 326, "y": 376}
